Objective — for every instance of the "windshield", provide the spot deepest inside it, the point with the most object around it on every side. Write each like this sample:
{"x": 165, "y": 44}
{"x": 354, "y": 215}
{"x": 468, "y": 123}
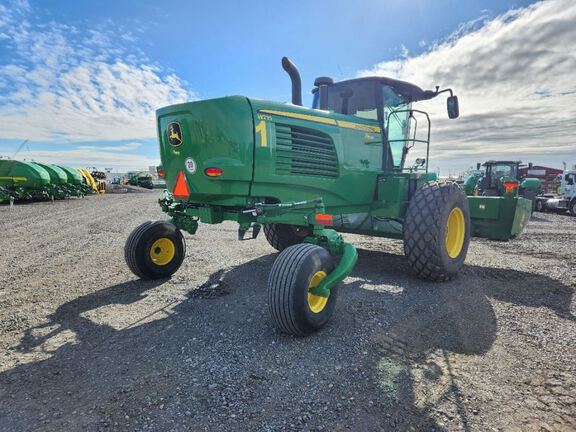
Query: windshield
{"x": 501, "y": 170}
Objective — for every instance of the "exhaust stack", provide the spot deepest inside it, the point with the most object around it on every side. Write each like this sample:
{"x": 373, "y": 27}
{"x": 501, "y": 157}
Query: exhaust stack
{"x": 292, "y": 70}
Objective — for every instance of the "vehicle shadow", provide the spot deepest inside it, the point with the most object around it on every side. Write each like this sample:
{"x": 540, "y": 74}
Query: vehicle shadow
{"x": 214, "y": 362}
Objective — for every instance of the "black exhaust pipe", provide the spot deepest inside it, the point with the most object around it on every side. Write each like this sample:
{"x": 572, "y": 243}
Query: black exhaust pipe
{"x": 292, "y": 70}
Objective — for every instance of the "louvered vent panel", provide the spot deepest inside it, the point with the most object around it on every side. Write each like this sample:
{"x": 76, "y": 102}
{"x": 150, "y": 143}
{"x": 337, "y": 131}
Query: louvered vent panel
{"x": 304, "y": 151}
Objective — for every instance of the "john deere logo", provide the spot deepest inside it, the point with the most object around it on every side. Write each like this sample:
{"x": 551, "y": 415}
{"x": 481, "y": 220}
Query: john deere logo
{"x": 174, "y": 134}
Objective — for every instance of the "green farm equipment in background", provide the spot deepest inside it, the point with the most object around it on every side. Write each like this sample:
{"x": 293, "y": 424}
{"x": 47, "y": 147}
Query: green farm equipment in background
{"x": 5, "y": 195}
{"x": 75, "y": 186}
{"x": 24, "y": 180}
{"x": 490, "y": 182}
{"x": 305, "y": 175}
{"x": 501, "y": 203}
{"x": 140, "y": 179}
{"x": 58, "y": 181}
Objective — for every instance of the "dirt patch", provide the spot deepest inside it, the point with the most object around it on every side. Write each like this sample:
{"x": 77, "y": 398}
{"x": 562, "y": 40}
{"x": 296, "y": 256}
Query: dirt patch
{"x": 84, "y": 345}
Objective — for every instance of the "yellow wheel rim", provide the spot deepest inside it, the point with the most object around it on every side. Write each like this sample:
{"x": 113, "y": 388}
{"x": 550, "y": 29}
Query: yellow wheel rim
{"x": 162, "y": 251}
{"x": 316, "y": 303}
{"x": 455, "y": 232}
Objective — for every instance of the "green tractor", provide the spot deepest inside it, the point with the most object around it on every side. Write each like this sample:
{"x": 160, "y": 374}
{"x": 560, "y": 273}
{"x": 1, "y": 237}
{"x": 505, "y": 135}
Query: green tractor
{"x": 509, "y": 199}
{"x": 141, "y": 179}
{"x": 303, "y": 176}
{"x": 491, "y": 181}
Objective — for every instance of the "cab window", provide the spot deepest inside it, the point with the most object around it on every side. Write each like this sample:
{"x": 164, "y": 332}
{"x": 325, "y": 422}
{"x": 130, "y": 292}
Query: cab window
{"x": 398, "y": 130}
{"x": 357, "y": 98}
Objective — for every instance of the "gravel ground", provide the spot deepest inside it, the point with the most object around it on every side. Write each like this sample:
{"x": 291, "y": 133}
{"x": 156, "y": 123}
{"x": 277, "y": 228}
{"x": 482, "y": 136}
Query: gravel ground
{"x": 86, "y": 346}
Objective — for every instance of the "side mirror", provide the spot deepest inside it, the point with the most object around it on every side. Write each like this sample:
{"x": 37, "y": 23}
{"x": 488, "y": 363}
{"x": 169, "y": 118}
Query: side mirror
{"x": 420, "y": 162}
{"x": 452, "y": 107}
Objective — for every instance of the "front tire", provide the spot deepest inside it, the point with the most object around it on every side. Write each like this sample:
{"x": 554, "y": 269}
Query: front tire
{"x": 437, "y": 231}
{"x": 573, "y": 207}
{"x": 293, "y": 308}
{"x": 155, "y": 250}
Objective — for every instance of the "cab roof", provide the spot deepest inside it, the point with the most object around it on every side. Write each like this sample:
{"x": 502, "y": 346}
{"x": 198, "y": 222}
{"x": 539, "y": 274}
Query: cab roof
{"x": 408, "y": 91}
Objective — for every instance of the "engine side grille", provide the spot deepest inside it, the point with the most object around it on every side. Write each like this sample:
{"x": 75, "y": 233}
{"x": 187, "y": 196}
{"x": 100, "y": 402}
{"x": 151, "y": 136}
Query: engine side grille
{"x": 303, "y": 151}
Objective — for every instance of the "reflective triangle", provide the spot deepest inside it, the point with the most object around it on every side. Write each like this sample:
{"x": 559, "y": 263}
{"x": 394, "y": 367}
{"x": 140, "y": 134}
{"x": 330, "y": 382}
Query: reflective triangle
{"x": 181, "y": 187}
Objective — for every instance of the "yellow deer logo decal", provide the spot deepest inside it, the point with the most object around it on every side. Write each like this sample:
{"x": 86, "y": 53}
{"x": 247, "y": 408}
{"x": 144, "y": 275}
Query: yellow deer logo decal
{"x": 174, "y": 134}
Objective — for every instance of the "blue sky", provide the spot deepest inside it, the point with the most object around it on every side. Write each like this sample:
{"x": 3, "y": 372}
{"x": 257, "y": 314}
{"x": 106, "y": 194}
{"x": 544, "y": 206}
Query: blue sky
{"x": 81, "y": 80}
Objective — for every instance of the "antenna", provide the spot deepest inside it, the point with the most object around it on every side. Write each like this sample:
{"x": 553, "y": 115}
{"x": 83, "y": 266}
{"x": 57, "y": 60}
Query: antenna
{"x": 20, "y": 148}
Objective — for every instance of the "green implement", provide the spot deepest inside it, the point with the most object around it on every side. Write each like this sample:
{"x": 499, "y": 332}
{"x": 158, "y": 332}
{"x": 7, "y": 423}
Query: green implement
{"x": 75, "y": 184}
{"x": 58, "y": 181}
{"x": 305, "y": 176}
{"x": 24, "y": 180}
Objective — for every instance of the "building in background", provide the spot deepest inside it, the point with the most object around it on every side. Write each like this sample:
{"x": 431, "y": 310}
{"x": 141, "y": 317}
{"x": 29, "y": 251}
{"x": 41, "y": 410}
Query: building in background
{"x": 547, "y": 175}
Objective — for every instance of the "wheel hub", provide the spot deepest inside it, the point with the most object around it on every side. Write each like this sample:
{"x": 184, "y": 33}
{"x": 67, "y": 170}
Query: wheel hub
{"x": 316, "y": 303}
{"x": 162, "y": 251}
{"x": 455, "y": 232}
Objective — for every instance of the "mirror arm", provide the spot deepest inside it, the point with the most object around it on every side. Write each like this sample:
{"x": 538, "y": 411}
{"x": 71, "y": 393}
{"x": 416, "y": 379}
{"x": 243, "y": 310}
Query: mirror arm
{"x": 444, "y": 91}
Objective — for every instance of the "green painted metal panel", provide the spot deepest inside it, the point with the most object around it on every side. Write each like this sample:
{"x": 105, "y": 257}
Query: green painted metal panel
{"x": 23, "y": 174}
{"x": 484, "y": 207}
{"x": 214, "y": 133}
{"x": 57, "y": 175}
{"x": 326, "y": 155}
{"x": 74, "y": 177}
{"x": 499, "y": 218}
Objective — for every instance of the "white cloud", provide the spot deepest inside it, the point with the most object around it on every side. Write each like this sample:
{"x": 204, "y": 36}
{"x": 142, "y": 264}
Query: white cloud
{"x": 118, "y": 148}
{"x": 64, "y": 84}
{"x": 515, "y": 76}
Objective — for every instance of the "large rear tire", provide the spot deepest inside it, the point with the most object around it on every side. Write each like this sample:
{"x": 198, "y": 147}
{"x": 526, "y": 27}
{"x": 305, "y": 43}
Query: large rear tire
{"x": 437, "y": 231}
{"x": 293, "y": 308}
{"x": 281, "y": 236}
{"x": 155, "y": 250}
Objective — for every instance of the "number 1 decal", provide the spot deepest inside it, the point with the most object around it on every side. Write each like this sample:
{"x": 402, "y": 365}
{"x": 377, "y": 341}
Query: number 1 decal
{"x": 261, "y": 129}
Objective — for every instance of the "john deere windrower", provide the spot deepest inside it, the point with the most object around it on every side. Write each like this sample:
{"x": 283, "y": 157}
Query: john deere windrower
{"x": 304, "y": 176}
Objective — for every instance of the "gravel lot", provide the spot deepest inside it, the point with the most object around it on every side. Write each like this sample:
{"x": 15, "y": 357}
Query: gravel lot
{"x": 86, "y": 346}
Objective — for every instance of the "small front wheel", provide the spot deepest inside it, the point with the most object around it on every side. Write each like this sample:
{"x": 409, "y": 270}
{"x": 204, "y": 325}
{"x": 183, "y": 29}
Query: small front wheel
{"x": 155, "y": 250}
{"x": 293, "y": 307}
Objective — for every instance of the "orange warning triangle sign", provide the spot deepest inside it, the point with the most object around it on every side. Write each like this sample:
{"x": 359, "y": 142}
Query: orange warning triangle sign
{"x": 181, "y": 187}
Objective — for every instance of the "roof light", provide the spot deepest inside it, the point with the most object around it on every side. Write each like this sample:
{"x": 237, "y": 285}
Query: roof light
{"x": 213, "y": 172}
{"x": 181, "y": 187}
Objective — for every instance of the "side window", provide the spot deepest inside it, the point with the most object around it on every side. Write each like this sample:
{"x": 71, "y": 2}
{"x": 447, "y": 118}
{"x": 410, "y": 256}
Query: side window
{"x": 367, "y": 114}
{"x": 397, "y": 124}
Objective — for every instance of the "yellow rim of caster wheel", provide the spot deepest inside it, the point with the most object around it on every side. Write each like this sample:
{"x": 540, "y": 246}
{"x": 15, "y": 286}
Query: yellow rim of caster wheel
{"x": 316, "y": 303}
{"x": 162, "y": 251}
{"x": 455, "y": 232}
